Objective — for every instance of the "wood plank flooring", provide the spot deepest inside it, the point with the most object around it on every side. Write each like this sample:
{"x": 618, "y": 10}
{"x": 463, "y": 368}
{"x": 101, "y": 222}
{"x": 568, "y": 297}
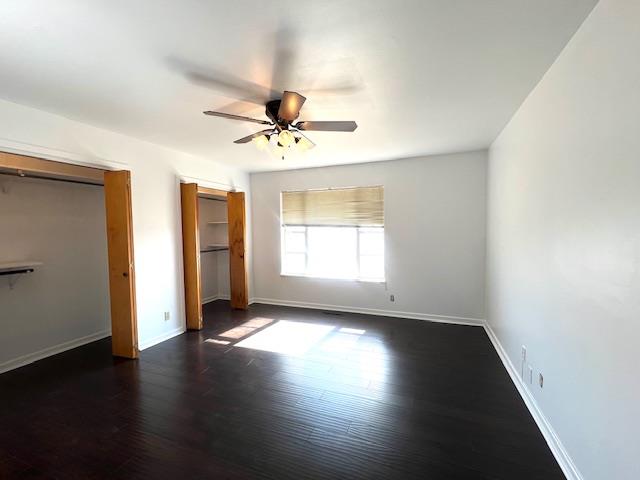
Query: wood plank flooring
{"x": 374, "y": 398}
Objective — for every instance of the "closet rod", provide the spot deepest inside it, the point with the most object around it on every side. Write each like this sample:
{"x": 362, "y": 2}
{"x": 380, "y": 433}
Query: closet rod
{"x": 17, "y": 272}
{"x": 214, "y": 199}
{"x": 45, "y": 177}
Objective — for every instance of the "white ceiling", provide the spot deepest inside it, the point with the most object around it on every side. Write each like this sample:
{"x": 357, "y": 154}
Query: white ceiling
{"x": 420, "y": 77}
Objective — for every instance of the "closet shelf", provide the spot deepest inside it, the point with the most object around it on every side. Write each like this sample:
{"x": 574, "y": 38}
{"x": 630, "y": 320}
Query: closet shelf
{"x": 14, "y": 268}
{"x": 214, "y": 248}
{"x": 221, "y": 222}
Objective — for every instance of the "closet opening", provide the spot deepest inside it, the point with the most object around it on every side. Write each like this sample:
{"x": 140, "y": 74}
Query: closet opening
{"x": 214, "y": 238}
{"x": 66, "y": 258}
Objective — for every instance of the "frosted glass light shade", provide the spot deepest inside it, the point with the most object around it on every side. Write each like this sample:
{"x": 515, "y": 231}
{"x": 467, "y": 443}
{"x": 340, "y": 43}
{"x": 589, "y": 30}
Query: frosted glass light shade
{"x": 286, "y": 138}
{"x": 303, "y": 144}
{"x": 261, "y": 142}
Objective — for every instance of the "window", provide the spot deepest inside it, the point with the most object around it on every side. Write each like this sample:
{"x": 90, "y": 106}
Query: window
{"x": 337, "y": 233}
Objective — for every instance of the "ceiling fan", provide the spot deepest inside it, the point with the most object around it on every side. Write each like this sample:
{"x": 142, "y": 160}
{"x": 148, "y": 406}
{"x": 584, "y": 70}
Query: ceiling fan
{"x": 282, "y": 132}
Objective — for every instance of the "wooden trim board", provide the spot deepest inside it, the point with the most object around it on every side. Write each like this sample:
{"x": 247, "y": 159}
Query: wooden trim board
{"x": 237, "y": 245}
{"x": 191, "y": 255}
{"x": 37, "y": 167}
{"x": 212, "y": 193}
{"x": 124, "y": 326}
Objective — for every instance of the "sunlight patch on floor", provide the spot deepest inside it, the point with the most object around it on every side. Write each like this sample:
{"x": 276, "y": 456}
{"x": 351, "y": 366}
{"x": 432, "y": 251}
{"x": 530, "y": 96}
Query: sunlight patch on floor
{"x": 355, "y": 331}
{"x": 340, "y": 343}
{"x": 289, "y": 338}
{"x": 246, "y": 328}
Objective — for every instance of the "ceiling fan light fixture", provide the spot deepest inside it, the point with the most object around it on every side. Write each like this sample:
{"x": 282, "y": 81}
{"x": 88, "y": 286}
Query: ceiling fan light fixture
{"x": 261, "y": 142}
{"x": 303, "y": 144}
{"x": 286, "y": 138}
{"x": 283, "y": 135}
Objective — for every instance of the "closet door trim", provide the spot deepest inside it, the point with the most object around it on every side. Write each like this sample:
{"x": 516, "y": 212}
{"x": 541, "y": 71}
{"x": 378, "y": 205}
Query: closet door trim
{"x": 191, "y": 255}
{"x": 122, "y": 287}
{"x": 118, "y": 215}
{"x": 236, "y": 215}
{"x": 23, "y": 165}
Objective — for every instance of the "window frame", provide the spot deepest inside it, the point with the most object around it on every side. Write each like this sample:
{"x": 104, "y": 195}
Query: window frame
{"x": 305, "y": 230}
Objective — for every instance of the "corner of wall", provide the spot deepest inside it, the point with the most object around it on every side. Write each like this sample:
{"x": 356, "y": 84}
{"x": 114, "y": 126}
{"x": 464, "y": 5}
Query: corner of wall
{"x": 559, "y": 451}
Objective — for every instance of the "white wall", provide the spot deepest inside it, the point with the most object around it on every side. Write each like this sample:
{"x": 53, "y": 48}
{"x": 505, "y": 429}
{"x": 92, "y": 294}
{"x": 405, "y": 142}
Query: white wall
{"x": 155, "y": 194}
{"x": 213, "y": 265}
{"x": 434, "y": 234}
{"x": 224, "y": 286}
{"x": 564, "y": 241}
{"x": 62, "y": 225}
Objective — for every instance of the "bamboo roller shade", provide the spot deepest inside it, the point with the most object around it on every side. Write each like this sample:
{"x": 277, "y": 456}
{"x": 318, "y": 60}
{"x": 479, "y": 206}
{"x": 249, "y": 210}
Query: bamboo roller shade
{"x": 340, "y": 207}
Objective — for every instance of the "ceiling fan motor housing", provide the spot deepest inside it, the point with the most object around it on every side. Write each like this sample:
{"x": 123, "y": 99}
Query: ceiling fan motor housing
{"x": 272, "y": 112}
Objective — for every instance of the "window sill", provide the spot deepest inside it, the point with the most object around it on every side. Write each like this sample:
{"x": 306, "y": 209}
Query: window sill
{"x": 357, "y": 280}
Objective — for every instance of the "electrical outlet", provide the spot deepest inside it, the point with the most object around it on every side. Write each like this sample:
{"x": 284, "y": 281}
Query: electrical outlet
{"x": 530, "y": 374}
{"x": 392, "y": 298}
{"x": 167, "y": 316}
{"x": 541, "y": 380}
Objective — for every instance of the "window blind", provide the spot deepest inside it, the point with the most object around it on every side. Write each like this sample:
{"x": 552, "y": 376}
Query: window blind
{"x": 339, "y": 207}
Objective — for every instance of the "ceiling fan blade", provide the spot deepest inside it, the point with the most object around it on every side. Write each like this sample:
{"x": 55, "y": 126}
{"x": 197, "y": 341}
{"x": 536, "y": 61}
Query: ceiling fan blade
{"x": 224, "y": 83}
{"x": 236, "y": 117}
{"x": 290, "y": 106}
{"x": 327, "y": 126}
{"x": 248, "y": 138}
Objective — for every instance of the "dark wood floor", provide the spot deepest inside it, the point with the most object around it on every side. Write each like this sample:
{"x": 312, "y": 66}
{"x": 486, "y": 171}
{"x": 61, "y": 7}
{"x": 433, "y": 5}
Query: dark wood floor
{"x": 404, "y": 399}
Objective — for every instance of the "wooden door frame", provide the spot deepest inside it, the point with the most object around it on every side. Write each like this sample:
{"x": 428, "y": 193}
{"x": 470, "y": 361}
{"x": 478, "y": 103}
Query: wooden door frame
{"x": 215, "y": 193}
{"x": 190, "y": 192}
{"x": 122, "y": 285}
{"x": 191, "y": 255}
{"x": 35, "y": 167}
{"x": 238, "y": 277}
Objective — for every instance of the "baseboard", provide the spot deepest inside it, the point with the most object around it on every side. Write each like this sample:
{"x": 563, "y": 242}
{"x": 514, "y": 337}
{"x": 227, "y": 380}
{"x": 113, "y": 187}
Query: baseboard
{"x": 555, "y": 444}
{"x": 210, "y": 299}
{"x": 48, "y": 352}
{"x": 476, "y": 322}
{"x": 213, "y": 298}
{"x": 161, "y": 338}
